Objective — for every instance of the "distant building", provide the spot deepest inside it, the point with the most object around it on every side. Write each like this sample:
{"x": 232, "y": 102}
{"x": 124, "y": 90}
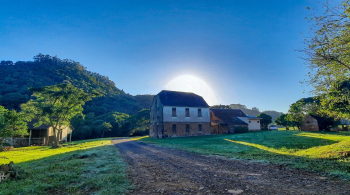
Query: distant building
{"x": 42, "y": 135}
{"x": 176, "y": 114}
{"x": 310, "y": 123}
{"x": 226, "y": 120}
{"x": 253, "y": 122}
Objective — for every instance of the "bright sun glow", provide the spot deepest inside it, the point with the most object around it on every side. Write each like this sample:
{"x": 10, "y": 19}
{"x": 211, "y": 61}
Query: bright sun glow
{"x": 189, "y": 83}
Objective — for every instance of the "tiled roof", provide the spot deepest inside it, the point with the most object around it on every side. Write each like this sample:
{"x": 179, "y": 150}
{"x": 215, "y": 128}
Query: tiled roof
{"x": 185, "y": 99}
{"x": 227, "y": 116}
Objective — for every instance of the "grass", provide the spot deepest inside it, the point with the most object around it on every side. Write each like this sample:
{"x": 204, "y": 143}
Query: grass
{"x": 302, "y": 150}
{"x": 84, "y": 167}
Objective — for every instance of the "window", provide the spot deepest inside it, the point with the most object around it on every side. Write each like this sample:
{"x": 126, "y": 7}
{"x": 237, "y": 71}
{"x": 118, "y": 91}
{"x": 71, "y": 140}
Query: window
{"x": 199, "y": 112}
{"x": 174, "y": 112}
{"x": 187, "y": 112}
{"x": 199, "y": 127}
{"x": 187, "y": 128}
{"x": 174, "y": 129}
{"x": 249, "y": 121}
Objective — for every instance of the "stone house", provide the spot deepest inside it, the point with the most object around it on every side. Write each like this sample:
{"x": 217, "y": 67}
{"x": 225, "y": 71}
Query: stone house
{"x": 225, "y": 121}
{"x": 178, "y": 114}
{"x": 310, "y": 123}
{"x": 42, "y": 135}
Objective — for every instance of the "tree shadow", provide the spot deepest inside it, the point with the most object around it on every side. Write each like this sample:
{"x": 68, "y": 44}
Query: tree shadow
{"x": 293, "y": 140}
{"x": 335, "y": 165}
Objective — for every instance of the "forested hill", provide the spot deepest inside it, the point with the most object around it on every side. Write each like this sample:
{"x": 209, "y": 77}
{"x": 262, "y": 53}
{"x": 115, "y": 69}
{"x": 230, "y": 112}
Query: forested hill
{"x": 17, "y": 78}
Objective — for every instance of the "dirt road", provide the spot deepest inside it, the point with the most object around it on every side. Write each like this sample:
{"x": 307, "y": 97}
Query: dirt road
{"x": 156, "y": 170}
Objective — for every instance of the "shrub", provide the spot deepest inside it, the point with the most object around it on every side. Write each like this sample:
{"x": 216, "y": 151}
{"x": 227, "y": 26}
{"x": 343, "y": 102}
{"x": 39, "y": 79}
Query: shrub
{"x": 241, "y": 129}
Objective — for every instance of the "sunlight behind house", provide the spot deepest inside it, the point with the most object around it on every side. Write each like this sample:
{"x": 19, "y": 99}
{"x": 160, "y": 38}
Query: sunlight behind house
{"x": 189, "y": 83}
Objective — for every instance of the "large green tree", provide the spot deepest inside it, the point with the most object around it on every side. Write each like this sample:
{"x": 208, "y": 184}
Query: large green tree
{"x": 327, "y": 49}
{"x": 282, "y": 120}
{"x": 12, "y": 123}
{"x": 337, "y": 101}
{"x": 310, "y": 106}
{"x": 265, "y": 120}
{"x": 56, "y": 105}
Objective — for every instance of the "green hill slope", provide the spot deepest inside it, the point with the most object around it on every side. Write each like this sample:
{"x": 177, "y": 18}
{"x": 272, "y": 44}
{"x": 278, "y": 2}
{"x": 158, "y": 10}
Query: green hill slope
{"x": 17, "y": 78}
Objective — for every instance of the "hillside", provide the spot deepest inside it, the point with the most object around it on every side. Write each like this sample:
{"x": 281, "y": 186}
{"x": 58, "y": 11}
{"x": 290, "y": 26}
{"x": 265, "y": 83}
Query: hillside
{"x": 17, "y": 78}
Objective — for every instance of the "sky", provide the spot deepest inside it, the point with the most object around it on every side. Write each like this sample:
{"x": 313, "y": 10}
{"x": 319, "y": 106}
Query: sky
{"x": 229, "y": 52}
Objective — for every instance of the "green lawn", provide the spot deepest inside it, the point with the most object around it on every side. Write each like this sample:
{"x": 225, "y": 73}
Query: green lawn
{"x": 306, "y": 150}
{"x": 84, "y": 167}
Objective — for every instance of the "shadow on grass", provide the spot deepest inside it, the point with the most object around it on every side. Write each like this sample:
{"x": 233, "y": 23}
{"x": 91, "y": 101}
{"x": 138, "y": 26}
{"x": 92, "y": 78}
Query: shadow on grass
{"x": 333, "y": 165}
{"x": 94, "y": 170}
{"x": 302, "y": 150}
{"x": 24, "y": 154}
{"x": 291, "y": 140}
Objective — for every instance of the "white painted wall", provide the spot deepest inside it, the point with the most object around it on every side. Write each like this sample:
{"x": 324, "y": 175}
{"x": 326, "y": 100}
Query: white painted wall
{"x": 253, "y": 125}
{"x": 181, "y": 113}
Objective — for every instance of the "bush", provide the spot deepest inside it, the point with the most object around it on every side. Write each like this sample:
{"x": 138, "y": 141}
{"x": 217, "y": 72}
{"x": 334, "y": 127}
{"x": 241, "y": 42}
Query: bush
{"x": 241, "y": 129}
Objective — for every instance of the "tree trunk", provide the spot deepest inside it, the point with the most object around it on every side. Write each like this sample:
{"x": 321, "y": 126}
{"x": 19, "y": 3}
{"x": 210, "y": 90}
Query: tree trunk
{"x": 30, "y": 136}
{"x": 287, "y": 128}
{"x": 70, "y": 136}
{"x": 55, "y": 144}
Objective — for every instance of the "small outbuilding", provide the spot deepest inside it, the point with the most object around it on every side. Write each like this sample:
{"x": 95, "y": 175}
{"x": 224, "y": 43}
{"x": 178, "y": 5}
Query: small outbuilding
{"x": 42, "y": 135}
{"x": 225, "y": 121}
{"x": 253, "y": 122}
{"x": 310, "y": 123}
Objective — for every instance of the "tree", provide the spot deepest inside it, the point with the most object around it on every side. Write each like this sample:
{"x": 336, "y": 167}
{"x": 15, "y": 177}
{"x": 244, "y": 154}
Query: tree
{"x": 281, "y": 120}
{"x": 327, "y": 50}
{"x": 265, "y": 120}
{"x": 310, "y": 106}
{"x": 337, "y": 101}
{"x": 140, "y": 123}
{"x": 56, "y": 105}
{"x": 12, "y": 123}
{"x": 101, "y": 127}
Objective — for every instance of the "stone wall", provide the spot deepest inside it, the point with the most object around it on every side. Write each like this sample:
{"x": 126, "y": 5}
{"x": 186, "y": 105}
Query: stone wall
{"x": 156, "y": 130}
{"x": 181, "y": 129}
{"x": 156, "y": 118}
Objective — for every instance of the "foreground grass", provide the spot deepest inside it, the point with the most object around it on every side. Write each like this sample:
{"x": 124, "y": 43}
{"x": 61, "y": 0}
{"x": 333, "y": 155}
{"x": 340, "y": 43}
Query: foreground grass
{"x": 319, "y": 152}
{"x": 85, "y": 167}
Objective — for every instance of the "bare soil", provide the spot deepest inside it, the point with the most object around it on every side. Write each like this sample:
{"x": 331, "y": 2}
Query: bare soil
{"x": 157, "y": 170}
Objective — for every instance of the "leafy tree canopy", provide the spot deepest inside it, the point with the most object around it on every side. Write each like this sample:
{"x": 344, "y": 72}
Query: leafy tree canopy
{"x": 327, "y": 50}
{"x": 56, "y": 105}
{"x": 265, "y": 120}
{"x": 12, "y": 123}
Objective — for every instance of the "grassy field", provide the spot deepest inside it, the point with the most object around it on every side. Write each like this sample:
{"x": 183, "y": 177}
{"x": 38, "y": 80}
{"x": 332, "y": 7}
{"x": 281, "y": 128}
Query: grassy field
{"x": 303, "y": 150}
{"x": 84, "y": 167}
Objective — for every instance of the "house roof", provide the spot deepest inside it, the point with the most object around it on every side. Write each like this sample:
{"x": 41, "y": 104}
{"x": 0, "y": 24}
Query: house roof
{"x": 253, "y": 117}
{"x": 31, "y": 126}
{"x": 178, "y": 98}
{"x": 228, "y": 116}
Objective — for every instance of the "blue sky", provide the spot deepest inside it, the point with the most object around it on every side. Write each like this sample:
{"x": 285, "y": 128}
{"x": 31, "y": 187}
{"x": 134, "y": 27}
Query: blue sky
{"x": 244, "y": 50}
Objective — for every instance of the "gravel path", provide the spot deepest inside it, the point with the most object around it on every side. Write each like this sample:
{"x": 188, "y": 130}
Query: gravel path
{"x": 157, "y": 170}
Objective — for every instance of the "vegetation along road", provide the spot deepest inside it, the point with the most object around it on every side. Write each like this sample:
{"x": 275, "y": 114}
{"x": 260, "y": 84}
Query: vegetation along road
{"x": 158, "y": 170}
